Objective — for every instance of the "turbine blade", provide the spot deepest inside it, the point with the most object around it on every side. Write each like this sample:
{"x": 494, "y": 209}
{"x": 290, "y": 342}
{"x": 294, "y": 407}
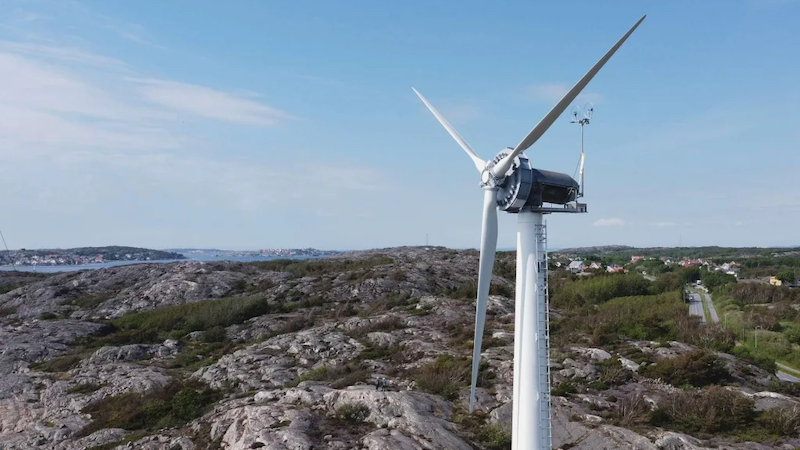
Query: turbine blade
{"x": 488, "y": 249}
{"x": 479, "y": 163}
{"x": 503, "y": 165}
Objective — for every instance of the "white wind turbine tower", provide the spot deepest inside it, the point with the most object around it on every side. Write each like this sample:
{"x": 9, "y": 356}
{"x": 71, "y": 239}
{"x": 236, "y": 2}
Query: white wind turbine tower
{"x": 511, "y": 184}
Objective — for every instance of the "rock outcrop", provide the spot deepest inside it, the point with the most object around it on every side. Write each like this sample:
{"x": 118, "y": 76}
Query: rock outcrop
{"x": 298, "y": 370}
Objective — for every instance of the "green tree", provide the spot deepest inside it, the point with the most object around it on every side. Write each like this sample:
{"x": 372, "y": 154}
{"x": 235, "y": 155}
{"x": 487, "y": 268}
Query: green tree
{"x": 786, "y": 277}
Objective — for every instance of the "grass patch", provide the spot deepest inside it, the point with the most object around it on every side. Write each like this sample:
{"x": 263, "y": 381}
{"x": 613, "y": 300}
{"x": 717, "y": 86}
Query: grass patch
{"x": 718, "y": 411}
{"x": 172, "y": 406}
{"x": 387, "y": 324}
{"x": 60, "y": 363}
{"x": 177, "y": 321}
{"x": 697, "y": 368}
{"x": 89, "y": 301}
{"x": 194, "y": 356}
{"x": 318, "y": 267}
{"x": 339, "y": 376}
{"x": 447, "y": 375}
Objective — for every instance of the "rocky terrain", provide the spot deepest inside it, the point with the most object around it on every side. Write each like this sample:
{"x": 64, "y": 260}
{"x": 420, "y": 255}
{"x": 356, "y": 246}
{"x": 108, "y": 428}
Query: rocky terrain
{"x": 285, "y": 355}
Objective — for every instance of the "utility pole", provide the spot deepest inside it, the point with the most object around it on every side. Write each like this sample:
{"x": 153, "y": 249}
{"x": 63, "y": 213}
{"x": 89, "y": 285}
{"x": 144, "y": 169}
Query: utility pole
{"x": 756, "y": 336}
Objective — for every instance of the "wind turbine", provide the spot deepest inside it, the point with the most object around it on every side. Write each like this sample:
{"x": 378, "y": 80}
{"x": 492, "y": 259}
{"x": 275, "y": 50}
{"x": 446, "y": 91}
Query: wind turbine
{"x": 510, "y": 183}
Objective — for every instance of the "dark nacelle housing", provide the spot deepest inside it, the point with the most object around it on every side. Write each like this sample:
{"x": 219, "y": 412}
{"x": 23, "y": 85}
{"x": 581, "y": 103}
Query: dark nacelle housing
{"x": 552, "y": 187}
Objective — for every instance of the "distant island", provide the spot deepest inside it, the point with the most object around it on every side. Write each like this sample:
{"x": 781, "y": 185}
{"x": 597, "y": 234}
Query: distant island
{"x": 83, "y": 255}
{"x": 267, "y": 252}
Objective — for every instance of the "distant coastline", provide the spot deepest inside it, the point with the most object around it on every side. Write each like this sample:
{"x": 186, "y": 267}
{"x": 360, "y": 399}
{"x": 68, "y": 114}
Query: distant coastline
{"x": 268, "y": 252}
{"x": 83, "y": 256}
{"x": 46, "y": 264}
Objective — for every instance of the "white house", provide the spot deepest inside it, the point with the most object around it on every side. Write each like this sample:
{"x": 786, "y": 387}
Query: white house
{"x": 576, "y": 266}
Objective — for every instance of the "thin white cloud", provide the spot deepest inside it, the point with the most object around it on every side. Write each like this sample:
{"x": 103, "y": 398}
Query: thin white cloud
{"x": 210, "y": 103}
{"x": 85, "y": 139}
{"x": 49, "y": 101}
{"x": 614, "y": 222}
{"x": 247, "y": 186}
{"x": 553, "y": 92}
{"x": 71, "y": 54}
{"x": 664, "y": 224}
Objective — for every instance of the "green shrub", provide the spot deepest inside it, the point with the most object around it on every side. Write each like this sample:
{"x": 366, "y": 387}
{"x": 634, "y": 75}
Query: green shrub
{"x": 88, "y": 301}
{"x": 494, "y": 437}
{"x": 781, "y": 421}
{"x": 714, "y": 410}
{"x": 758, "y": 359}
{"x": 447, "y": 375}
{"x": 172, "y": 406}
{"x": 353, "y": 412}
{"x": 215, "y": 334}
{"x": 599, "y": 289}
{"x": 178, "y": 320}
{"x": 666, "y": 282}
{"x": 463, "y": 291}
{"x": 500, "y": 289}
{"x": 613, "y": 373}
{"x": 564, "y": 389}
{"x": 696, "y": 368}
{"x": 59, "y": 363}
{"x": 47, "y": 315}
{"x": 388, "y": 323}
{"x": 318, "y": 267}
{"x": 399, "y": 275}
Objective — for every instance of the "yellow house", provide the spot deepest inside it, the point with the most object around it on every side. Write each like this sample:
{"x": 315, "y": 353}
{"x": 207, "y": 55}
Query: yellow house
{"x": 774, "y": 281}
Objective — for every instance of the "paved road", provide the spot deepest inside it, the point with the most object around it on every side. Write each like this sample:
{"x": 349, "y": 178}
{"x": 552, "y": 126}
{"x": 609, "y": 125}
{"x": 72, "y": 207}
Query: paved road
{"x": 711, "y": 309}
{"x": 696, "y": 306}
{"x": 785, "y": 376}
{"x": 696, "y": 309}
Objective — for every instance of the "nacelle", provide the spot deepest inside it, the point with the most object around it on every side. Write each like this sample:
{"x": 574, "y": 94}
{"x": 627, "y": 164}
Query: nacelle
{"x": 526, "y": 187}
{"x": 552, "y": 187}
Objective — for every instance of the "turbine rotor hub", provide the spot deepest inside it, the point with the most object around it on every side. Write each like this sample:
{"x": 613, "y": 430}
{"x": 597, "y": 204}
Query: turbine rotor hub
{"x": 515, "y": 188}
{"x": 488, "y": 179}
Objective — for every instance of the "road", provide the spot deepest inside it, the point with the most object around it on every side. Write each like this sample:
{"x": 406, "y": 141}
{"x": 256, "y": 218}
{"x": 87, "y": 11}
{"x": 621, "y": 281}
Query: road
{"x": 711, "y": 309}
{"x": 785, "y": 376}
{"x": 696, "y": 306}
{"x": 696, "y": 309}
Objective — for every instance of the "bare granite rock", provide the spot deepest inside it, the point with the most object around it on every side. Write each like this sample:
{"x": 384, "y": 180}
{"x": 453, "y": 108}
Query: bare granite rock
{"x": 389, "y": 313}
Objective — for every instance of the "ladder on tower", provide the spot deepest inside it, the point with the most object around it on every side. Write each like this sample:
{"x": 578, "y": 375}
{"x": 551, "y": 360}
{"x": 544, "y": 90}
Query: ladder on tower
{"x": 543, "y": 341}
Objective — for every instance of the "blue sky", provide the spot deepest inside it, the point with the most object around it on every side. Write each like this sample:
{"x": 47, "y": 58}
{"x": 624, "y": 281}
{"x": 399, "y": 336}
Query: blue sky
{"x": 250, "y": 124}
